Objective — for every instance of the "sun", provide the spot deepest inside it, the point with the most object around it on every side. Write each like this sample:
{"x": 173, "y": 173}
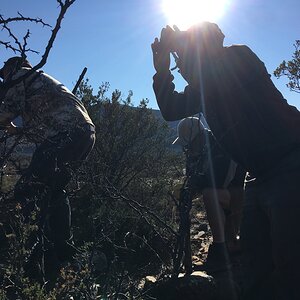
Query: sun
{"x": 185, "y": 13}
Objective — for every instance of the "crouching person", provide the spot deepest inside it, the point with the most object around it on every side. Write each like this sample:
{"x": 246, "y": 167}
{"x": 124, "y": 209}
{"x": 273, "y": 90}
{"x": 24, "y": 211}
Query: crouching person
{"x": 57, "y": 122}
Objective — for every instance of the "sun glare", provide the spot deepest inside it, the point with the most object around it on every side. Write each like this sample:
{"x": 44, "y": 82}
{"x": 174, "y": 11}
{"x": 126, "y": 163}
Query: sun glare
{"x": 185, "y": 13}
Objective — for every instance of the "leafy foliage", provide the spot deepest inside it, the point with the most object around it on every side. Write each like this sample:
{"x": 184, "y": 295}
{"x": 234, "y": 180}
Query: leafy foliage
{"x": 291, "y": 69}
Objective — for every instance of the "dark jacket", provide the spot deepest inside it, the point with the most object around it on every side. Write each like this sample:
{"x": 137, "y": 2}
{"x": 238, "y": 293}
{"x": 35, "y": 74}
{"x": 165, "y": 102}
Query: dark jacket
{"x": 247, "y": 114}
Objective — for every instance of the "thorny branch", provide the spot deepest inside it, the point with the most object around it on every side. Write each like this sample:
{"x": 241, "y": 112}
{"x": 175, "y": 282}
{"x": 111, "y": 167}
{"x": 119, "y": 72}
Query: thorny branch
{"x": 7, "y": 45}
{"x": 22, "y": 18}
{"x": 63, "y": 9}
{"x": 64, "y": 6}
{"x": 21, "y": 48}
{"x": 16, "y": 40}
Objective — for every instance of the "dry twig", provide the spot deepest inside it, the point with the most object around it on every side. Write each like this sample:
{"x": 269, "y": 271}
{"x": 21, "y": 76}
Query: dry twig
{"x": 22, "y": 47}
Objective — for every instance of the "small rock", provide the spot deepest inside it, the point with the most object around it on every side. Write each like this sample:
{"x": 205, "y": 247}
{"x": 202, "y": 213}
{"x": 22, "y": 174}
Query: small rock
{"x": 198, "y": 235}
{"x": 196, "y": 286}
{"x": 150, "y": 279}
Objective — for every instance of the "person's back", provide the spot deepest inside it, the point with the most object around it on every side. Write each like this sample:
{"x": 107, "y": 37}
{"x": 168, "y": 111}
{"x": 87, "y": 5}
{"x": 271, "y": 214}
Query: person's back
{"x": 47, "y": 107}
{"x": 247, "y": 114}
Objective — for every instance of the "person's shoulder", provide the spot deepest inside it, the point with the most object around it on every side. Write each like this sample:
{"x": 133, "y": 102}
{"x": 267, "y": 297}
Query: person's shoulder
{"x": 244, "y": 57}
{"x": 240, "y": 50}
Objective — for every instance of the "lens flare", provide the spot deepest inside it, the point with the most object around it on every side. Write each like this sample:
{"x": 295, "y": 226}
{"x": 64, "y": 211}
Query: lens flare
{"x": 185, "y": 13}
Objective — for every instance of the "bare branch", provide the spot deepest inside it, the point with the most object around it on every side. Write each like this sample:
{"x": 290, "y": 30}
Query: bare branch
{"x": 63, "y": 9}
{"x": 60, "y": 2}
{"x": 24, "y": 49}
{"x": 22, "y": 18}
{"x": 25, "y": 41}
{"x": 7, "y": 45}
{"x": 13, "y": 37}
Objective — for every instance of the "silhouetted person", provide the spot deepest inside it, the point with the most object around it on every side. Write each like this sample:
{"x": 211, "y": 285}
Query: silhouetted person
{"x": 57, "y": 122}
{"x": 254, "y": 124}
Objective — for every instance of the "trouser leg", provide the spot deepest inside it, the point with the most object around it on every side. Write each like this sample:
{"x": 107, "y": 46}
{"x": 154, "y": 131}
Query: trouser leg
{"x": 284, "y": 216}
{"x": 256, "y": 247}
{"x": 235, "y": 216}
{"x": 59, "y": 218}
{"x": 59, "y": 226}
{"x": 271, "y": 238}
{"x": 214, "y": 211}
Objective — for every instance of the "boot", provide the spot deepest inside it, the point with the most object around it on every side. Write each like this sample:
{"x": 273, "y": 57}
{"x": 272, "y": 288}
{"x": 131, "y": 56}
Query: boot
{"x": 217, "y": 260}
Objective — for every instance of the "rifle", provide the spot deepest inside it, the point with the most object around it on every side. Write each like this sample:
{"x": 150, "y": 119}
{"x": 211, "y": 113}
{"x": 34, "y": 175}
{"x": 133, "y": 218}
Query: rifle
{"x": 79, "y": 80}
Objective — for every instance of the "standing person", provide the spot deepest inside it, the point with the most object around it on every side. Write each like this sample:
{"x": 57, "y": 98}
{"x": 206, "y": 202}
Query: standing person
{"x": 256, "y": 126}
{"x": 210, "y": 171}
{"x": 57, "y": 122}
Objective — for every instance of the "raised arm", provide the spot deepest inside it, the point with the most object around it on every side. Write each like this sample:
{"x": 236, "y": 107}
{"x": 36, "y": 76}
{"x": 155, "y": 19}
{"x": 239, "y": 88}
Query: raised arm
{"x": 173, "y": 105}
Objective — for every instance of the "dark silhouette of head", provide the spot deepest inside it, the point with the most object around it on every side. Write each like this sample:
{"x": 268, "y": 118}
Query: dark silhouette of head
{"x": 200, "y": 44}
{"x": 206, "y": 33}
{"x": 13, "y": 64}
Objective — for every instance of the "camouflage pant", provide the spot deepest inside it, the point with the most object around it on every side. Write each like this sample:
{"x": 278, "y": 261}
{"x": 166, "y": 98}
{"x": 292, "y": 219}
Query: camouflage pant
{"x": 42, "y": 185}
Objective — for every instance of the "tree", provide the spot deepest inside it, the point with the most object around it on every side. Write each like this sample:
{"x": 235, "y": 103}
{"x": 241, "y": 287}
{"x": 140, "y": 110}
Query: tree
{"x": 291, "y": 69}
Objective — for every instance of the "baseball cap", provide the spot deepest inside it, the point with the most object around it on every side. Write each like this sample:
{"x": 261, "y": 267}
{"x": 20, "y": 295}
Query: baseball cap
{"x": 15, "y": 60}
{"x": 206, "y": 28}
{"x": 187, "y": 130}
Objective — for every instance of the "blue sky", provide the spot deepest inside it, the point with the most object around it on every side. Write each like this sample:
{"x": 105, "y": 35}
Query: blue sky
{"x": 112, "y": 39}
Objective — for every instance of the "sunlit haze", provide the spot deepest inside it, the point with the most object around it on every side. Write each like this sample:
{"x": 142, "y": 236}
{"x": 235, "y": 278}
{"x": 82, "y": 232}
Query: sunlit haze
{"x": 185, "y": 13}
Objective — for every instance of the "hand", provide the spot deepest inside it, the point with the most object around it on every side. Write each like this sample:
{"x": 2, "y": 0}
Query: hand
{"x": 168, "y": 38}
{"x": 161, "y": 56}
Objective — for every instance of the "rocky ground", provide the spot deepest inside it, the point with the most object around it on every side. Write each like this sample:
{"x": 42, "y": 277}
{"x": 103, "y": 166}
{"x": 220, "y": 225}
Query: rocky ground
{"x": 198, "y": 285}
